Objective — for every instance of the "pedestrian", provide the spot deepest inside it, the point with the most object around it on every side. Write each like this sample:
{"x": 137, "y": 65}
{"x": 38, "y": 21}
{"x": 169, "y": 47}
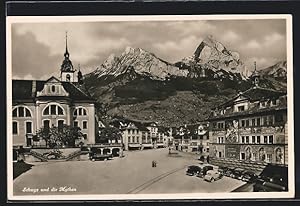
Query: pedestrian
{"x": 153, "y": 163}
{"x": 21, "y": 156}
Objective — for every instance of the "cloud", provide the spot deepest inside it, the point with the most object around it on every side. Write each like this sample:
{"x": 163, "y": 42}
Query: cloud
{"x": 32, "y": 59}
{"x": 273, "y": 39}
{"x": 184, "y": 28}
{"x": 38, "y": 47}
{"x": 178, "y": 49}
{"x": 253, "y": 44}
{"x": 230, "y": 36}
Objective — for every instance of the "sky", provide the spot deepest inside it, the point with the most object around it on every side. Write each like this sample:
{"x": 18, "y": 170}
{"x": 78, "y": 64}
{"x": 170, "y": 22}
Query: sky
{"x": 38, "y": 48}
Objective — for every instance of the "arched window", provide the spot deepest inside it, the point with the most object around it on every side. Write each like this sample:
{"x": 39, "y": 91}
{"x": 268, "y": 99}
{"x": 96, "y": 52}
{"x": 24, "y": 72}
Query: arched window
{"x": 261, "y": 154}
{"x": 53, "y": 110}
{"x": 21, "y": 112}
{"x": 279, "y": 156}
{"x": 248, "y": 153}
{"x": 80, "y": 112}
{"x": 53, "y": 88}
{"x": 68, "y": 77}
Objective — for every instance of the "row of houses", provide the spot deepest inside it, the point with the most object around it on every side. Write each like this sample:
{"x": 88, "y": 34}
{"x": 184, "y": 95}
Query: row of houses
{"x": 150, "y": 135}
{"x": 250, "y": 127}
{"x": 141, "y": 135}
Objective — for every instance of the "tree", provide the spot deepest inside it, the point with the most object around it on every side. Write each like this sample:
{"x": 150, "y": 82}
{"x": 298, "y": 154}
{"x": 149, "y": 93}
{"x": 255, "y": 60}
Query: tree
{"x": 109, "y": 133}
{"x": 57, "y": 137}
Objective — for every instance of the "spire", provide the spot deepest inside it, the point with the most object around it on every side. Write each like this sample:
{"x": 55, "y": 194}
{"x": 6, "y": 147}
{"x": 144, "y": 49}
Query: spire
{"x": 255, "y": 76}
{"x": 66, "y": 52}
{"x": 67, "y": 64}
{"x": 79, "y": 75}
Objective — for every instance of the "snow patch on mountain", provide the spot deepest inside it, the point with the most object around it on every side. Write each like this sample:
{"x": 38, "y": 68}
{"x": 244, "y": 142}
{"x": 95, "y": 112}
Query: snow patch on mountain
{"x": 143, "y": 62}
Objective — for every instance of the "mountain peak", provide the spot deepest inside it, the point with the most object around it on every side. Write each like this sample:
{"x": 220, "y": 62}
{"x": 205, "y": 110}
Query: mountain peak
{"x": 209, "y": 40}
{"x": 214, "y": 55}
{"x": 142, "y": 61}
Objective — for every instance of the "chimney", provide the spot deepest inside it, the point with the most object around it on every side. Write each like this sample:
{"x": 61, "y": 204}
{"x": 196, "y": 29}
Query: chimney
{"x": 33, "y": 88}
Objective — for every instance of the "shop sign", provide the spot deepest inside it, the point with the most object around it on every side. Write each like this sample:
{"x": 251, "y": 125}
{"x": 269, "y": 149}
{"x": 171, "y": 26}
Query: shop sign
{"x": 232, "y": 151}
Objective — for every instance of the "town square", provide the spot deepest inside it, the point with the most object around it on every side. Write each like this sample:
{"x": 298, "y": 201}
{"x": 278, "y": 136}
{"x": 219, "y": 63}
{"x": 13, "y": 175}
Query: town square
{"x": 141, "y": 115}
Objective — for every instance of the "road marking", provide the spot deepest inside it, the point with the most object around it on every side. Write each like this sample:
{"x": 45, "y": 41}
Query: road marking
{"x": 153, "y": 180}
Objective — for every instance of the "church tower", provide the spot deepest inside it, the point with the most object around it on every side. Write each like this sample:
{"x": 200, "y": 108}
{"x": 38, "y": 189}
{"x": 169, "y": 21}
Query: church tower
{"x": 67, "y": 71}
{"x": 79, "y": 76}
{"x": 255, "y": 76}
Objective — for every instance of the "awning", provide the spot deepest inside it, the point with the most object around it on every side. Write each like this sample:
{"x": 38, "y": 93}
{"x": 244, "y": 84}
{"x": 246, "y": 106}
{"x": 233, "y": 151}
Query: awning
{"x": 134, "y": 145}
{"x": 147, "y": 145}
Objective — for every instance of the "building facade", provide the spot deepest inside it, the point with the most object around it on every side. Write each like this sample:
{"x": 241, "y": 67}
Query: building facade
{"x": 140, "y": 135}
{"x": 54, "y": 102}
{"x": 193, "y": 138}
{"x": 251, "y": 127}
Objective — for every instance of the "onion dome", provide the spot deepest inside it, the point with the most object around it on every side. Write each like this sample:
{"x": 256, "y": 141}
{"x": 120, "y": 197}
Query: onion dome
{"x": 67, "y": 65}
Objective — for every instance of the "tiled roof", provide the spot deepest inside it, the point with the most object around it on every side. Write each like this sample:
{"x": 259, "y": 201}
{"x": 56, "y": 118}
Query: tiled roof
{"x": 22, "y": 90}
{"x": 256, "y": 93}
{"x": 259, "y": 93}
{"x": 139, "y": 125}
{"x": 252, "y": 95}
{"x": 249, "y": 112}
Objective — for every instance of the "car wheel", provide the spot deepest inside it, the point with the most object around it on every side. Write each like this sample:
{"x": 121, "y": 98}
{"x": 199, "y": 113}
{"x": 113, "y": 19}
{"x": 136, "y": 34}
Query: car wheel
{"x": 212, "y": 180}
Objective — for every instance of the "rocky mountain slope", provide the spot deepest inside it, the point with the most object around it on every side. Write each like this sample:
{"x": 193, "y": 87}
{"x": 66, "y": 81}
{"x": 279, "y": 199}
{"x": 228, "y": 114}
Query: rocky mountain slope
{"x": 143, "y": 62}
{"x": 277, "y": 70}
{"x": 139, "y": 85}
{"x": 212, "y": 56}
{"x": 275, "y": 76}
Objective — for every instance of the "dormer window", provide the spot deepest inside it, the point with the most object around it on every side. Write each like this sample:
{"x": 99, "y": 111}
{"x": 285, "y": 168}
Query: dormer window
{"x": 241, "y": 108}
{"x": 273, "y": 102}
{"x": 263, "y": 104}
{"x": 223, "y": 112}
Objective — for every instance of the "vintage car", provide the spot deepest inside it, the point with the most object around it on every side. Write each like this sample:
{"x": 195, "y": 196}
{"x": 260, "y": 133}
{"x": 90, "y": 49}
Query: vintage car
{"x": 237, "y": 173}
{"x": 212, "y": 175}
{"x": 229, "y": 171}
{"x": 222, "y": 169}
{"x": 204, "y": 170}
{"x": 95, "y": 154}
{"x": 274, "y": 178}
{"x": 249, "y": 176}
{"x": 193, "y": 170}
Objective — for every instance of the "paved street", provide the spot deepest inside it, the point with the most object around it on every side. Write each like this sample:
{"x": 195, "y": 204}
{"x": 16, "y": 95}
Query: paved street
{"x": 129, "y": 175}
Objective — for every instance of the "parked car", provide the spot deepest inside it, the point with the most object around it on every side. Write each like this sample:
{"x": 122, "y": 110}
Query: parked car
{"x": 222, "y": 169}
{"x": 212, "y": 175}
{"x": 274, "y": 178}
{"x": 249, "y": 176}
{"x": 96, "y": 154}
{"x": 204, "y": 170}
{"x": 229, "y": 171}
{"x": 237, "y": 173}
{"x": 193, "y": 170}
